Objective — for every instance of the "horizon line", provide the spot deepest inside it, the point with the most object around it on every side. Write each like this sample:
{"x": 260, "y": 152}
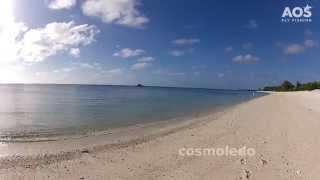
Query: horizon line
{"x": 131, "y": 85}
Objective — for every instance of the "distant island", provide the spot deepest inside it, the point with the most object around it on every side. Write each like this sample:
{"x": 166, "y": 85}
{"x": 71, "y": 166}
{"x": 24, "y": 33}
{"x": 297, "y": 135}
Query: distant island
{"x": 139, "y": 85}
{"x": 288, "y": 86}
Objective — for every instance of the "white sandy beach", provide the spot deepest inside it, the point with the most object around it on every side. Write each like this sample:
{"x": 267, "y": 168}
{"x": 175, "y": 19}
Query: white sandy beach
{"x": 283, "y": 128}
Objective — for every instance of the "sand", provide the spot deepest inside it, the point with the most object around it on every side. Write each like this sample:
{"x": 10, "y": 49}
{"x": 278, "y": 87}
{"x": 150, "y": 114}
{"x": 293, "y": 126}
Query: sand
{"x": 282, "y": 128}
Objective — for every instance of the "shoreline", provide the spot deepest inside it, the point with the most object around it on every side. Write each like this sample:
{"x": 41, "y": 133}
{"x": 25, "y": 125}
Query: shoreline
{"x": 20, "y": 135}
{"x": 77, "y": 133}
{"x": 46, "y": 150}
{"x": 281, "y": 127}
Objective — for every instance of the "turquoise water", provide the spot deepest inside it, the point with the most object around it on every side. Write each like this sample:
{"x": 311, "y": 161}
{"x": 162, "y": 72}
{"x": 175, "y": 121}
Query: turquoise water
{"x": 45, "y": 109}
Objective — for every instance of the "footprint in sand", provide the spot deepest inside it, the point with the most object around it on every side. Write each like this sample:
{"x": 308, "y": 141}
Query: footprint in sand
{"x": 264, "y": 162}
{"x": 246, "y": 174}
{"x": 243, "y": 161}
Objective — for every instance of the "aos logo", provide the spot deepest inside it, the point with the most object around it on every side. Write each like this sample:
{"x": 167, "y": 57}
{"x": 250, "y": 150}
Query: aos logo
{"x": 297, "y": 14}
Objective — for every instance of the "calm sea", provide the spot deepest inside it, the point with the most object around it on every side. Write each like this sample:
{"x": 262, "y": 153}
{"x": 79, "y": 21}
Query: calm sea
{"x": 45, "y": 109}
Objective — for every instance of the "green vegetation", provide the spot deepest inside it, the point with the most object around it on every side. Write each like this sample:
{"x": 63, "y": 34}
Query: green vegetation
{"x": 288, "y": 86}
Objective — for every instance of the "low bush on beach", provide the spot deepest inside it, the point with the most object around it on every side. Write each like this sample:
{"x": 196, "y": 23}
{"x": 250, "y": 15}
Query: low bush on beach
{"x": 288, "y": 86}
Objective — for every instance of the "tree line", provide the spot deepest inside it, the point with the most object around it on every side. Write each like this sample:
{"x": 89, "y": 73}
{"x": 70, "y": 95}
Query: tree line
{"x": 288, "y": 86}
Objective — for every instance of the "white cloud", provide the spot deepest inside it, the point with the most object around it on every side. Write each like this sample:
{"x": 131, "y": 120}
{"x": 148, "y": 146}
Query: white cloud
{"x": 61, "y": 4}
{"x": 228, "y": 49}
{"x": 41, "y": 74}
{"x": 127, "y": 53}
{"x": 38, "y": 44}
{"x": 252, "y": 24}
{"x": 116, "y": 71}
{"x": 186, "y": 41}
{"x": 20, "y": 43}
{"x": 168, "y": 73}
{"x": 146, "y": 59}
{"x": 65, "y": 70}
{"x": 309, "y": 43}
{"x": 247, "y": 45}
{"x": 177, "y": 53}
{"x": 297, "y": 48}
{"x": 294, "y": 49}
{"x": 123, "y": 12}
{"x": 141, "y": 66}
{"x": 245, "y": 59}
{"x": 196, "y": 73}
{"x": 181, "y": 52}
{"x": 10, "y": 36}
{"x": 80, "y": 66}
{"x": 221, "y": 75}
{"x": 86, "y": 65}
{"x": 75, "y": 52}
{"x": 10, "y": 32}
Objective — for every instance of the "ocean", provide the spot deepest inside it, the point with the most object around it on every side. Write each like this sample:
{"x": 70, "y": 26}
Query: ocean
{"x": 43, "y": 110}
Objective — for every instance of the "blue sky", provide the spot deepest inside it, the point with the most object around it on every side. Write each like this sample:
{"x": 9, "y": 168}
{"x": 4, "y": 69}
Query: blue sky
{"x": 213, "y": 44}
